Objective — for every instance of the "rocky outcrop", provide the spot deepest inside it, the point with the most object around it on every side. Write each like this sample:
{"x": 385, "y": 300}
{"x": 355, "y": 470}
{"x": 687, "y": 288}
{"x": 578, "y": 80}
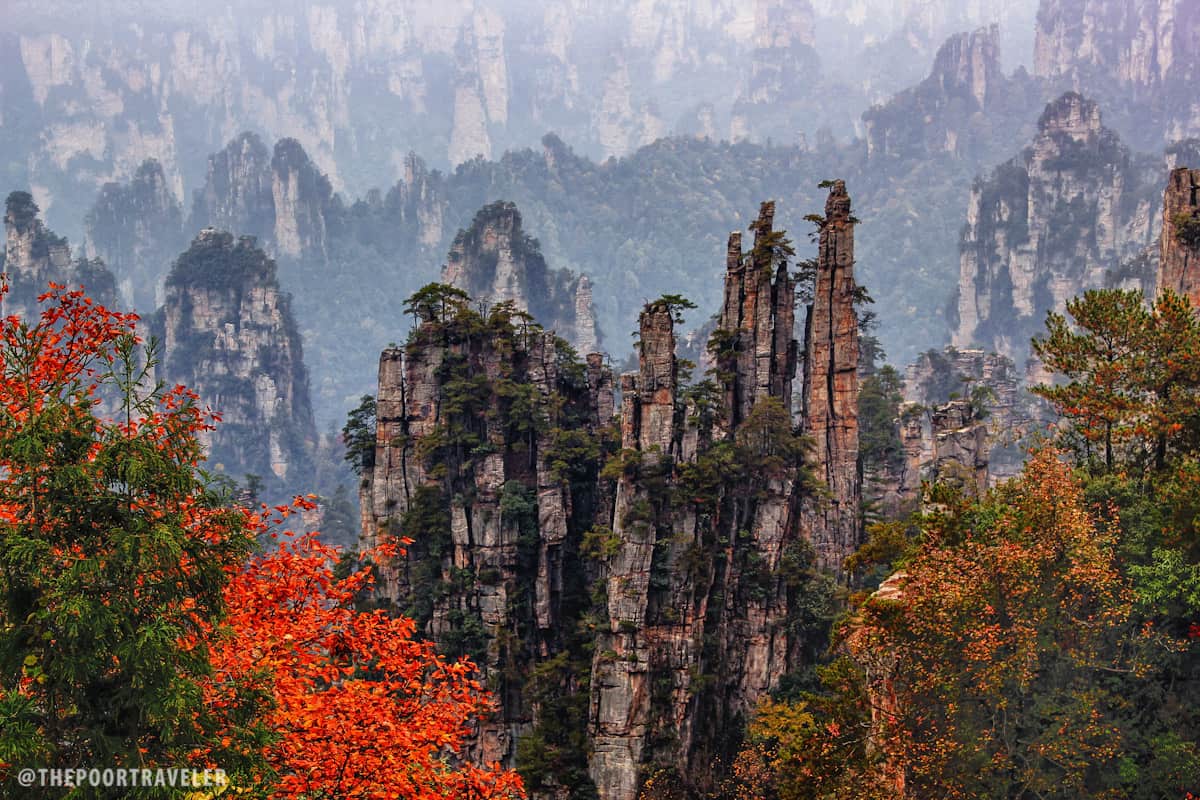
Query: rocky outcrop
{"x": 960, "y": 447}
{"x": 967, "y": 108}
{"x": 34, "y": 257}
{"x": 227, "y": 332}
{"x": 301, "y": 196}
{"x": 1049, "y": 224}
{"x": 137, "y": 229}
{"x": 668, "y": 580}
{"x": 831, "y": 383}
{"x": 1147, "y": 54}
{"x": 474, "y": 462}
{"x": 281, "y": 199}
{"x": 1179, "y": 254}
{"x": 495, "y": 261}
{"x": 757, "y": 320}
{"x": 237, "y": 194}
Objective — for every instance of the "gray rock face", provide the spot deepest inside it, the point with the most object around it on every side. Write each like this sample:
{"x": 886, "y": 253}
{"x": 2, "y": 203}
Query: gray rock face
{"x": 495, "y": 261}
{"x": 34, "y": 257}
{"x": 967, "y": 108}
{"x": 280, "y": 198}
{"x": 1054, "y": 221}
{"x": 1146, "y": 53}
{"x": 137, "y": 229}
{"x": 227, "y": 333}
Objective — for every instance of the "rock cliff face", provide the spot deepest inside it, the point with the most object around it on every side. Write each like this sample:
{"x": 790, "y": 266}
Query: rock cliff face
{"x": 474, "y": 461}
{"x": 237, "y": 195}
{"x": 831, "y": 383}
{"x": 1146, "y": 53}
{"x": 640, "y": 582}
{"x": 137, "y": 229}
{"x": 966, "y": 108}
{"x": 993, "y": 388}
{"x": 227, "y": 332}
{"x": 1049, "y": 224}
{"x": 34, "y": 256}
{"x": 281, "y": 199}
{"x": 495, "y": 261}
{"x": 1179, "y": 259}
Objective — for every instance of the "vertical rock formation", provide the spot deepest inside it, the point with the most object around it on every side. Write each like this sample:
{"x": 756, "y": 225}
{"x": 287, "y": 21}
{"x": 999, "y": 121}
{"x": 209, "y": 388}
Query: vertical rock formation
{"x": 34, "y": 256}
{"x": 1147, "y": 54}
{"x": 280, "y": 198}
{"x": 831, "y": 383}
{"x": 993, "y": 385}
{"x": 476, "y": 421}
{"x": 960, "y": 447}
{"x": 417, "y": 204}
{"x": 301, "y": 196}
{"x": 1179, "y": 253}
{"x": 965, "y": 108}
{"x": 137, "y": 229}
{"x": 759, "y": 314}
{"x": 228, "y": 333}
{"x": 495, "y": 261}
{"x": 1047, "y": 225}
{"x": 668, "y": 582}
{"x": 237, "y": 194}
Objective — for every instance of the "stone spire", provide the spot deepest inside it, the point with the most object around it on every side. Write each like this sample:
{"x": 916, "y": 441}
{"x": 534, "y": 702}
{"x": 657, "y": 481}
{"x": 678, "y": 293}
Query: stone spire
{"x": 1179, "y": 253}
{"x": 831, "y": 383}
{"x": 759, "y": 312}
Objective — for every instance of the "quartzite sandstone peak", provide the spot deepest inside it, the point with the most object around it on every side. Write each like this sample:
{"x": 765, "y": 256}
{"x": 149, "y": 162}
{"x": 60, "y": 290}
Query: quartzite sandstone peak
{"x": 1057, "y": 219}
{"x": 495, "y": 261}
{"x": 1145, "y": 56}
{"x": 666, "y": 581}
{"x": 760, "y": 311}
{"x": 831, "y": 383}
{"x": 137, "y": 228}
{"x": 1179, "y": 254}
{"x": 227, "y": 332}
{"x": 34, "y": 256}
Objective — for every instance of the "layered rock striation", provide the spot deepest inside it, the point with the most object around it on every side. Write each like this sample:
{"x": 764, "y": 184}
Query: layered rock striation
{"x": 1058, "y": 219}
{"x": 227, "y": 332}
{"x": 831, "y": 383}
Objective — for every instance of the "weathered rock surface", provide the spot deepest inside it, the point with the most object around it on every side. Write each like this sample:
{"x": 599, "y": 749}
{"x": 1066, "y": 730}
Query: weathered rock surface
{"x": 34, "y": 257}
{"x": 667, "y": 581}
{"x": 1179, "y": 254}
{"x": 1145, "y": 54}
{"x": 227, "y": 333}
{"x": 137, "y": 229}
{"x": 495, "y": 261}
{"x": 967, "y": 108}
{"x": 1048, "y": 224}
{"x": 831, "y": 383}
{"x": 280, "y": 198}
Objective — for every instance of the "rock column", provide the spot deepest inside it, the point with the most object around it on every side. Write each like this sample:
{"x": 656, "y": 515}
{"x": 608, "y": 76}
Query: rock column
{"x": 831, "y": 384}
{"x": 1179, "y": 250}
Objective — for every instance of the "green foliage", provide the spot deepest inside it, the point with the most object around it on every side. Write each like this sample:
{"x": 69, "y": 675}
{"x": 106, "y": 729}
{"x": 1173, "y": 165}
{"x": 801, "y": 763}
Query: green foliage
{"x": 105, "y": 578}
{"x": 1132, "y": 378}
{"x": 674, "y": 304}
{"x": 358, "y": 436}
{"x": 879, "y": 445}
{"x": 1187, "y": 230}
